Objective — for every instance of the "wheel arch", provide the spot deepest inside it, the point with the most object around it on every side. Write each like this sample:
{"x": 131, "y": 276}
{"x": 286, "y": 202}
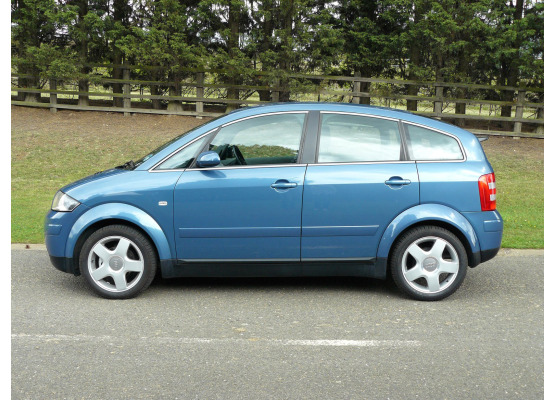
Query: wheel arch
{"x": 120, "y": 214}
{"x": 432, "y": 215}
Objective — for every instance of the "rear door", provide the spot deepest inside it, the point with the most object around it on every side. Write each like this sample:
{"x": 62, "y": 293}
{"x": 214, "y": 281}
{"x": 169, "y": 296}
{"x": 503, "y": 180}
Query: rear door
{"x": 360, "y": 182}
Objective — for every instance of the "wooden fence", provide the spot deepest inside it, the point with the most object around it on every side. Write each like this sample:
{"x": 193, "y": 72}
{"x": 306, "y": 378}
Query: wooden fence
{"x": 203, "y": 95}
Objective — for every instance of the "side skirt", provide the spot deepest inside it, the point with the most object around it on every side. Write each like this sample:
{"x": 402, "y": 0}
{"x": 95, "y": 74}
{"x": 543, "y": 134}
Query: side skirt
{"x": 373, "y": 268}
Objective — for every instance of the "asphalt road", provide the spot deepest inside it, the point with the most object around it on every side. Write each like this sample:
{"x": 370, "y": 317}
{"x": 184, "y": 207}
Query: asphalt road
{"x": 278, "y": 338}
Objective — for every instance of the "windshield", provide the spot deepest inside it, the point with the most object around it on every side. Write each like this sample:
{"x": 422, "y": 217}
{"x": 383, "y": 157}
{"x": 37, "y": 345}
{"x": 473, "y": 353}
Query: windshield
{"x": 165, "y": 145}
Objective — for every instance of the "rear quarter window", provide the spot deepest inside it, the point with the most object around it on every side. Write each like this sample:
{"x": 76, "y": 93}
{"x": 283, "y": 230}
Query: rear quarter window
{"x": 427, "y": 145}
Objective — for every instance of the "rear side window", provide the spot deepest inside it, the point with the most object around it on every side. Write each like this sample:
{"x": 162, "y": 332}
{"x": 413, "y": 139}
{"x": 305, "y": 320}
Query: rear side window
{"x": 428, "y": 145}
{"x": 353, "y": 138}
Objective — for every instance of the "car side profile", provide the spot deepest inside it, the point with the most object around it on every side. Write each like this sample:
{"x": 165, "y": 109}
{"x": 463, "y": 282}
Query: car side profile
{"x": 294, "y": 189}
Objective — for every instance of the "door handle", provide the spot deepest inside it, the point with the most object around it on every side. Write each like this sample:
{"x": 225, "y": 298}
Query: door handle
{"x": 397, "y": 181}
{"x": 283, "y": 184}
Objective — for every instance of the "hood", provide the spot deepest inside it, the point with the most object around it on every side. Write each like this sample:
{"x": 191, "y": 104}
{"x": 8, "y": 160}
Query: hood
{"x": 92, "y": 178}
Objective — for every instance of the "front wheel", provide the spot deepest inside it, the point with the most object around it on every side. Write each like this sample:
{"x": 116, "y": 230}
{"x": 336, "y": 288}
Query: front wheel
{"x": 428, "y": 263}
{"x": 118, "y": 262}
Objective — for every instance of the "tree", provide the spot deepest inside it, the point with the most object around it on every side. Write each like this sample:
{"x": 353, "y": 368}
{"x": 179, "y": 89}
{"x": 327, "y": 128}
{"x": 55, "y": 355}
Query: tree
{"x": 372, "y": 32}
{"x": 166, "y": 42}
{"x": 39, "y": 51}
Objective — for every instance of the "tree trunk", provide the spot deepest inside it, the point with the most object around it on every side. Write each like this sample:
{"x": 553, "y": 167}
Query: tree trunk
{"x": 121, "y": 17}
{"x": 268, "y": 7}
{"x": 32, "y": 83}
{"x": 510, "y": 74}
{"x": 117, "y": 88}
{"x": 155, "y": 91}
{"x": 285, "y": 62}
{"x": 365, "y": 86}
{"x": 174, "y": 90}
{"x": 233, "y": 45}
{"x": 414, "y": 61}
{"x": 83, "y": 83}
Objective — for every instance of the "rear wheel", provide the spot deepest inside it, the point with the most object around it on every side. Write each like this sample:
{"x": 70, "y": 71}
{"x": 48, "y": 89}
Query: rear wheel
{"x": 428, "y": 263}
{"x": 118, "y": 262}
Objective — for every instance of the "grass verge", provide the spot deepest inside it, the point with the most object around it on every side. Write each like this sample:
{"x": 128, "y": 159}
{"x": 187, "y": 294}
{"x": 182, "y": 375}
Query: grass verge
{"x": 519, "y": 169}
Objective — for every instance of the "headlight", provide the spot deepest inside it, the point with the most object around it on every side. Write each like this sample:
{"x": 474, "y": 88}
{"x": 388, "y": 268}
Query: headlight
{"x": 63, "y": 202}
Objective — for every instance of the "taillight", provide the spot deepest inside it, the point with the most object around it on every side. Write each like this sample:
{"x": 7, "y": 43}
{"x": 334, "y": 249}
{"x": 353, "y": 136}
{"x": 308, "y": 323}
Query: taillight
{"x": 487, "y": 192}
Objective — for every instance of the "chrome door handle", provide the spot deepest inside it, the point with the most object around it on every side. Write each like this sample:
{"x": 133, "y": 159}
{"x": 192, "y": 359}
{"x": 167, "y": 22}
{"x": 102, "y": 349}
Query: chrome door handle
{"x": 283, "y": 184}
{"x": 397, "y": 181}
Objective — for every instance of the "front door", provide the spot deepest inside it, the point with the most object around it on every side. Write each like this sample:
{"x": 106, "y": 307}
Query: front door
{"x": 249, "y": 207}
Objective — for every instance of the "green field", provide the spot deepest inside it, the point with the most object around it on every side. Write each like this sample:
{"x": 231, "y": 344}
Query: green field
{"x": 520, "y": 194}
{"x": 50, "y": 151}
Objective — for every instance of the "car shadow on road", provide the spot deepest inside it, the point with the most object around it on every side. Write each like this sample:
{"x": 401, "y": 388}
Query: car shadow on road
{"x": 280, "y": 284}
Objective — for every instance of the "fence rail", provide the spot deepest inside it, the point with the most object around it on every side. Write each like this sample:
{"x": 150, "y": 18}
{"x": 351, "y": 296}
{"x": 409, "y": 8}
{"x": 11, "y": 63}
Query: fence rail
{"x": 202, "y": 95}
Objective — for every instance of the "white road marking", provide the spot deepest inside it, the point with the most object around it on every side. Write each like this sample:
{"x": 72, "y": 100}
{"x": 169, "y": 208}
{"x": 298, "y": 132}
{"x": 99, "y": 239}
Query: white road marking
{"x": 179, "y": 340}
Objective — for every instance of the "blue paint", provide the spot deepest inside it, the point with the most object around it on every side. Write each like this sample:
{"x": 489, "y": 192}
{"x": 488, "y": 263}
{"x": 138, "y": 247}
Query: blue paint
{"x": 427, "y": 213}
{"x": 236, "y": 214}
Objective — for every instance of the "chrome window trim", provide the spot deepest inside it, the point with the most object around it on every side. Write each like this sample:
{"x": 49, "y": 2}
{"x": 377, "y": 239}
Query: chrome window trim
{"x": 461, "y": 148}
{"x": 152, "y": 169}
{"x": 364, "y": 163}
{"x": 248, "y": 167}
{"x": 360, "y": 115}
{"x": 263, "y": 115}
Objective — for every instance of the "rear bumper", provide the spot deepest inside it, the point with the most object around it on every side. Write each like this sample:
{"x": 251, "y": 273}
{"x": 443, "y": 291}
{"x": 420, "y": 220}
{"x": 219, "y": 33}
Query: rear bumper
{"x": 488, "y": 226}
{"x": 488, "y": 254}
{"x": 482, "y": 256}
{"x": 65, "y": 264}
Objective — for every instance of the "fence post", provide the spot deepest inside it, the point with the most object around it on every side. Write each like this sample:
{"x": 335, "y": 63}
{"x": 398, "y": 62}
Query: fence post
{"x": 540, "y": 115}
{"x": 53, "y": 96}
{"x": 356, "y": 88}
{"x": 83, "y": 88}
{"x": 20, "y": 84}
{"x": 519, "y": 110}
{"x": 438, "y": 99}
{"x": 275, "y": 96}
{"x": 127, "y": 91}
{"x": 200, "y": 93}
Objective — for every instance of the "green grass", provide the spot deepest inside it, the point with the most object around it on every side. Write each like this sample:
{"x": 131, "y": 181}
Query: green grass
{"x": 520, "y": 198}
{"x": 45, "y": 159}
{"x": 41, "y": 171}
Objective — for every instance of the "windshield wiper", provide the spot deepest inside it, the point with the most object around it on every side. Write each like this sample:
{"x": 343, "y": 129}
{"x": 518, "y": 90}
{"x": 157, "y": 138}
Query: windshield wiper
{"x": 128, "y": 165}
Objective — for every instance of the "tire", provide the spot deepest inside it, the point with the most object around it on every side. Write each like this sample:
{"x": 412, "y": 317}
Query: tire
{"x": 428, "y": 263}
{"x": 118, "y": 262}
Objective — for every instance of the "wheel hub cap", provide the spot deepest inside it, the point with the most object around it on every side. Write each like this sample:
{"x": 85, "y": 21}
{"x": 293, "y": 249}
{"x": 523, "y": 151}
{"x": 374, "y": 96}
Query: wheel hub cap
{"x": 116, "y": 263}
{"x": 430, "y": 264}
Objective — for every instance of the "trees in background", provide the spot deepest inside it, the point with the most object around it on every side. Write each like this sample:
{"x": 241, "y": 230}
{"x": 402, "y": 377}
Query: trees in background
{"x": 259, "y": 42}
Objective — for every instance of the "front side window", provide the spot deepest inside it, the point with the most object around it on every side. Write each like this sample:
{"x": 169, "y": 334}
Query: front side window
{"x": 183, "y": 158}
{"x": 352, "y": 138}
{"x": 270, "y": 139}
{"x": 428, "y": 145}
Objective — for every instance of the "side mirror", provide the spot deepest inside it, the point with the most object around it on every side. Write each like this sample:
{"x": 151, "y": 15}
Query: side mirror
{"x": 208, "y": 159}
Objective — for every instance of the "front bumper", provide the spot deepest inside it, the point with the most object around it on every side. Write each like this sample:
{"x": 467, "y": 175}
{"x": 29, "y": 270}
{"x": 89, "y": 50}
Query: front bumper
{"x": 57, "y": 227}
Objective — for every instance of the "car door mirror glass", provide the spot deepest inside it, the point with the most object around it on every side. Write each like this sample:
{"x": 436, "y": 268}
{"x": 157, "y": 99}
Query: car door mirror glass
{"x": 208, "y": 159}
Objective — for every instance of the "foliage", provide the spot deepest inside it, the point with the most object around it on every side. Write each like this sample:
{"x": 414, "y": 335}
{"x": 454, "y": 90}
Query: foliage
{"x": 258, "y": 42}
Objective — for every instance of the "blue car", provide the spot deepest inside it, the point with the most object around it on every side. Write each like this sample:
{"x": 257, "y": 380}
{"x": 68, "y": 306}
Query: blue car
{"x": 318, "y": 189}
